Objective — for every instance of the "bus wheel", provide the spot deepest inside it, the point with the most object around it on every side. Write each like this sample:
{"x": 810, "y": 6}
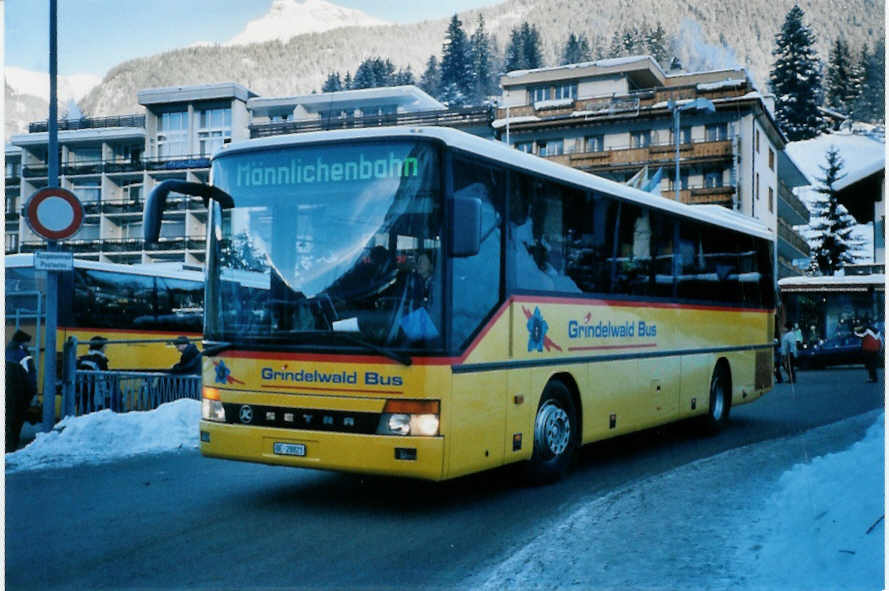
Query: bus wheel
{"x": 720, "y": 401}
{"x": 555, "y": 435}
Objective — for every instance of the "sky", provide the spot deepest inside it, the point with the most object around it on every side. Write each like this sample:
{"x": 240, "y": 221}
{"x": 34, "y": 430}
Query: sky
{"x": 95, "y": 35}
{"x": 816, "y": 526}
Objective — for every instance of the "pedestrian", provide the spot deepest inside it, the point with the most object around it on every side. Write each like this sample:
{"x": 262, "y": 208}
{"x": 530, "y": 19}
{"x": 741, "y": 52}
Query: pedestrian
{"x": 778, "y": 377}
{"x": 21, "y": 386}
{"x": 94, "y": 359}
{"x": 96, "y": 387}
{"x": 189, "y": 357}
{"x": 789, "y": 351}
{"x": 871, "y": 345}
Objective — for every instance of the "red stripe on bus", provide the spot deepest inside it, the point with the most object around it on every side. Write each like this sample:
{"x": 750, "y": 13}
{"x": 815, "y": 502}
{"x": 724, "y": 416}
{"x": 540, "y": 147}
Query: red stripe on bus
{"x": 632, "y": 304}
{"x": 122, "y": 330}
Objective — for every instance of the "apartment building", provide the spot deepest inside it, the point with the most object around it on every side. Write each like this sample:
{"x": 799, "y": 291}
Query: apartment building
{"x": 611, "y": 117}
{"x": 616, "y": 118}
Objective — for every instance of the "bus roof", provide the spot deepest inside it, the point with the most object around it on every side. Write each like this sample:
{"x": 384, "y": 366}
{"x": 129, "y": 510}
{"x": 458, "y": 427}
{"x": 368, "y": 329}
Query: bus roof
{"x": 501, "y": 152}
{"x": 166, "y": 270}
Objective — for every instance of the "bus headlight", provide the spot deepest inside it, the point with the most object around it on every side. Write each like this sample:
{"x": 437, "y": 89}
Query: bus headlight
{"x": 410, "y": 417}
{"x": 211, "y": 406}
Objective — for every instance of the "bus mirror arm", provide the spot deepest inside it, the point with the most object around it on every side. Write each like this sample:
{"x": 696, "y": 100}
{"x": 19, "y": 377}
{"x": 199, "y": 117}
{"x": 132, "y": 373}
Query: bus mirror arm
{"x": 465, "y": 226}
{"x": 157, "y": 199}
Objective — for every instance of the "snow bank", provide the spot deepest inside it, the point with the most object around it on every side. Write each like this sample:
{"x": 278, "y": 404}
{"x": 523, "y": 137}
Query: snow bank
{"x": 105, "y": 435}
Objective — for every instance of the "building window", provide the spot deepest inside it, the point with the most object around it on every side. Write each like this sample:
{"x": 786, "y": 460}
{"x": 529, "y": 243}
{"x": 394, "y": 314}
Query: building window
{"x": 713, "y": 178}
{"x": 549, "y": 147}
{"x": 172, "y": 134}
{"x": 683, "y": 180}
{"x": 12, "y": 241}
{"x": 771, "y": 200}
{"x": 13, "y": 169}
{"x": 684, "y": 136}
{"x": 595, "y": 143}
{"x": 85, "y": 154}
{"x": 571, "y": 145}
{"x": 771, "y": 159}
{"x": 717, "y": 132}
{"x": 215, "y": 128}
{"x": 87, "y": 191}
{"x": 125, "y": 153}
{"x": 526, "y": 147}
{"x": 561, "y": 91}
{"x": 640, "y": 139}
{"x": 756, "y": 188}
{"x": 757, "y": 141}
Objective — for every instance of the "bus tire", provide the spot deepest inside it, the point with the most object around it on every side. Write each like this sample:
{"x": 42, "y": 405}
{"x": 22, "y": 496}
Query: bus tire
{"x": 555, "y": 435}
{"x": 720, "y": 401}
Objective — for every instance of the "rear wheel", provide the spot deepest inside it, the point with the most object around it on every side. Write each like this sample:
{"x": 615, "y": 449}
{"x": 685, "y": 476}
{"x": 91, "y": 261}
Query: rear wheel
{"x": 555, "y": 435}
{"x": 720, "y": 401}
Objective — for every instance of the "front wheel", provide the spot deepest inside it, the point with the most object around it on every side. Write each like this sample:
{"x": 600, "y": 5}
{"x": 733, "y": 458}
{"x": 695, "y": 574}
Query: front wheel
{"x": 720, "y": 402}
{"x": 555, "y": 435}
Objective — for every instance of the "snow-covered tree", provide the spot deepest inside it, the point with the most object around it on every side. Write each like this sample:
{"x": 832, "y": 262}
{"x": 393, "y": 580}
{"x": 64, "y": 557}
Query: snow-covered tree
{"x": 430, "y": 81}
{"x": 842, "y": 81}
{"x": 576, "y": 50}
{"x": 870, "y": 103}
{"x": 524, "y": 50}
{"x": 656, "y": 44}
{"x": 481, "y": 51}
{"x": 456, "y": 64}
{"x": 333, "y": 83}
{"x": 831, "y": 226}
{"x": 795, "y": 79}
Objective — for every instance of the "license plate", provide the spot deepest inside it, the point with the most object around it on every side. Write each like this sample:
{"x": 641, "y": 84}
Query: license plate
{"x": 289, "y": 449}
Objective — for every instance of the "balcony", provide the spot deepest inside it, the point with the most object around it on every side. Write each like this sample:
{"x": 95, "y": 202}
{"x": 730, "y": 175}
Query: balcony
{"x": 121, "y": 207}
{"x": 112, "y": 166}
{"x": 167, "y": 243}
{"x": 788, "y": 235}
{"x": 74, "y": 168}
{"x": 459, "y": 118}
{"x": 34, "y": 170}
{"x": 195, "y": 243}
{"x": 709, "y": 195}
{"x": 790, "y": 208}
{"x": 90, "y": 123}
{"x": 659, "y": 155}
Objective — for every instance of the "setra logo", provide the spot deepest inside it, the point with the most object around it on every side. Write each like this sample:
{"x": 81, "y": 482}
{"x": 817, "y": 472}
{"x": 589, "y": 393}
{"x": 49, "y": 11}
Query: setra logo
{"x": 246, "y": 414}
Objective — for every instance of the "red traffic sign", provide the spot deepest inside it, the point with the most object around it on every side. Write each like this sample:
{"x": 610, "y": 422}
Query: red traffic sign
{"x": 54, "y": 213}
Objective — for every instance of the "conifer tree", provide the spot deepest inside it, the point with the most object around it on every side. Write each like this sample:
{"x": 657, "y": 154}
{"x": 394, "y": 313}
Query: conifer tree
{"x": 842, "y": 87}
{"x": 456, "y": 64}
{"x": 483, "y": 83}
{"x": 577, "y": 50}
{"x": 524, "y": 50}
{"x": 832, "y": 225}
{"x": 430, "y": 81}
{"x": 515, "y": 57}
{"x": 795, "y": 79}
{"x": 333, "y": 83}
{"x": 656, "y": 45}
{"x": 870, "y": 104}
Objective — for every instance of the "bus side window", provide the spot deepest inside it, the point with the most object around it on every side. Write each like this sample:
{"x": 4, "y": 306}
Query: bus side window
{"x": 476, "y": 290}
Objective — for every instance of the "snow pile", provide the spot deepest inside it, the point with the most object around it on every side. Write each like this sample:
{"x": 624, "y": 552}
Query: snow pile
{"x": 105, "y": 435}
{"x": 725, "y": 522}
{"x": 833, "y": 506}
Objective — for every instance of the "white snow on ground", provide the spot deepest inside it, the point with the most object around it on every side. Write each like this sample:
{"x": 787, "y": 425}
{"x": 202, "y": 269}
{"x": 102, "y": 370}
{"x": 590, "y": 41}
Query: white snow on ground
{"x": 721, "y": 523}
{"x": 104, "y": 436}
{"x": 732, "y": 521}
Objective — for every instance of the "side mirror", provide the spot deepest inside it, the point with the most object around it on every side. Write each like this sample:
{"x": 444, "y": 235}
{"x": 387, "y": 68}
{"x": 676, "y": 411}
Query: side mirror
{"x": 157, "y": 199}
{"x": 465, "y": 226}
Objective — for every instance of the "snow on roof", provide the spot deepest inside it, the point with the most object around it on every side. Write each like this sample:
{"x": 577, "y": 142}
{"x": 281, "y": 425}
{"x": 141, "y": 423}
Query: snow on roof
{"x": 833, "y": 281}
{"x": 722, "y": 84}
{"x": 606, "y": 63}
{"x": 862, "y": 156}
{"x": 498, "y": 123}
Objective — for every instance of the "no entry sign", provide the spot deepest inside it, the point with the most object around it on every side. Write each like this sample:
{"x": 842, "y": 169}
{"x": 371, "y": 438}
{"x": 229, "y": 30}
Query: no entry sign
{"x": 54, "y": 213}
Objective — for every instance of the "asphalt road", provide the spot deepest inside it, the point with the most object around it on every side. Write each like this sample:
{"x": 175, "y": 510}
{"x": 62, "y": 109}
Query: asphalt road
{"x": 181, "y": 521}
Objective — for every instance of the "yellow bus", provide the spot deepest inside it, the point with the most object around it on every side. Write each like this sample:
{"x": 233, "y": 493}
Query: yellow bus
{"x": 425, "y": 303}
{"x": 147, "y": 304}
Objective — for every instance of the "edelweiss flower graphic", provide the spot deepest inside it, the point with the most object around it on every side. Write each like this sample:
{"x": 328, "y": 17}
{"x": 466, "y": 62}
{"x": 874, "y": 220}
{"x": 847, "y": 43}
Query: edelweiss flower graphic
{"x": 537, "y": 328}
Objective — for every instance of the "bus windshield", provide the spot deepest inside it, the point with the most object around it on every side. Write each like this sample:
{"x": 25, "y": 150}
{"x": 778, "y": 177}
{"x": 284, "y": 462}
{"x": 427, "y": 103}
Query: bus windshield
{"x": 328, "y": 246}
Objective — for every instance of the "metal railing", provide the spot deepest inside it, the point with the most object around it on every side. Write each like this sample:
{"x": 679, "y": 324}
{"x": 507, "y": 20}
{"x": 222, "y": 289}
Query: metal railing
{"x": 124, "y": 391}
{"x": 91, "y": 123}
{"x": 86, "y": 391}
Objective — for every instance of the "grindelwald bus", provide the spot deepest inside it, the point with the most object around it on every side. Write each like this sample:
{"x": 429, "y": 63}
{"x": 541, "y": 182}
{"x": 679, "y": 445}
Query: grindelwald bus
{"x": 422, "y": 302}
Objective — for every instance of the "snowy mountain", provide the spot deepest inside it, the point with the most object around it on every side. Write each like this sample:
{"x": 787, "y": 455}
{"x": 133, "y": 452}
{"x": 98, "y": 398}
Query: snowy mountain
{"x": 36, "y": 84}
{"x": 289, "y": 18}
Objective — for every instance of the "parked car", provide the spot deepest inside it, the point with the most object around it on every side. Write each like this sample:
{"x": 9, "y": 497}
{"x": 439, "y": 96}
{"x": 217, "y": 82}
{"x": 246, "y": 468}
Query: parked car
{"x": 840, "y": 349}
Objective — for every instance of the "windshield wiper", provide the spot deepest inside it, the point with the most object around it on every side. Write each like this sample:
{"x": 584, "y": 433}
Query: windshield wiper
{"x": 216, "y": 349}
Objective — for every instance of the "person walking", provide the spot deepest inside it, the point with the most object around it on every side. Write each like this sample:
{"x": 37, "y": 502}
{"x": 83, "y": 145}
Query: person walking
{"x": 21, "y": 386}
{"x": 94, "y": 359}
{"x": 97, "y": 389}
{"x": 871, "y": 345}
{"x": 789, "y": 351}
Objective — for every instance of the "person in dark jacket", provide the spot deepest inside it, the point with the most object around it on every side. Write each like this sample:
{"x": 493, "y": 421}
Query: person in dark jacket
{"x": 21, "y": 386}
{"x": 189, "y": 357}
{"x": 95, "y": 359}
